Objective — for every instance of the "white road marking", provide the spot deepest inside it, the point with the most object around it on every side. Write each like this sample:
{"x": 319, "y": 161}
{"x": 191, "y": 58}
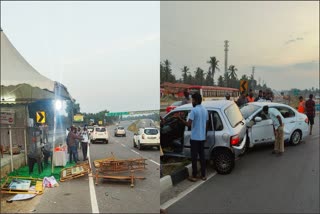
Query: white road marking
{"x": 154, "y": 162}
{"x": 184, "y": 193}
{"x": 93, "y": 197}
{"x": 135, "y": 151}
{"x": 123, "y": 145}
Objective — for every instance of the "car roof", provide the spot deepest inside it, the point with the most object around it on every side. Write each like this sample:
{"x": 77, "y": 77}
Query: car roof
{"x": 269, "y": 104}
{"x": 207, "y": 104}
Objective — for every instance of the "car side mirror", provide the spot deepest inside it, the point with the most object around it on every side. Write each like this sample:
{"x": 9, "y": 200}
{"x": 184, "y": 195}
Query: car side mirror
{"x": 258, "y": 119}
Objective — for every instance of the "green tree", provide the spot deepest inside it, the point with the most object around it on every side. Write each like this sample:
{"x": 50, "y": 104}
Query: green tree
{"x": 220, "y": 81}
{"x": 213, "y": 66}
{"x": 233, "y": 76}
{"x": 199, "y": 76}
{"x": 185, "y": 72}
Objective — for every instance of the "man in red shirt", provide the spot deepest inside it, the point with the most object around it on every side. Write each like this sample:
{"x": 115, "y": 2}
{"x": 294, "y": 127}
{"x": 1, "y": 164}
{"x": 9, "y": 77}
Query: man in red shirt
{"x": 310, "y": 111}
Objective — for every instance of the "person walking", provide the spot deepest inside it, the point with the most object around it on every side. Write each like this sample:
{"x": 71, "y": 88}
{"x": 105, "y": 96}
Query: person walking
{"x": 198, "y": 121}
{"x": 85, "y": 143}
{"x": 310, "y": 109}
{"x": 72, "y": 137}
{"x": 278, "y": 127}
{"x": 301, "y": 106}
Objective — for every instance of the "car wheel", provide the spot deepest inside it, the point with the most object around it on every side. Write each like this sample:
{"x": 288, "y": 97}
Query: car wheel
{"x": 107, "y": 141}
{"x": 223, "y": 162}
{"x": 295, "y": 138}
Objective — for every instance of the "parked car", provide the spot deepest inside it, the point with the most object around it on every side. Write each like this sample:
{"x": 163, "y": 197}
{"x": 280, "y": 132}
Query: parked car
{"x": 119, "y": 131}
{"x": 226, "y": 134}
{"x": 173, "y": 106}
{"x": 146, "y": 137}
{"x": 99, "y": 134}
{"x": 261, "y": 132}
{"x": 90, "y": 129}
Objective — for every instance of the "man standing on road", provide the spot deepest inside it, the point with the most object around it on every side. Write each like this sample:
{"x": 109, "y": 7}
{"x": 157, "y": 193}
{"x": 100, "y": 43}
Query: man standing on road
{"x": 278, "y": 126}
{"x": 198, "y": 121}
{"x": 310, "y": 111}
{"x": 301, "y": 106}
{"x": 72, "y": 136}
{"x": 85, "y": 143}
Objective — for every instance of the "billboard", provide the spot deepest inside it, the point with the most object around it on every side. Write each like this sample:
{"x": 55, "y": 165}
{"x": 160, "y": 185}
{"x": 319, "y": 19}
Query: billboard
{"x": 78, "y": 118}
{"x": 7, "y": 117}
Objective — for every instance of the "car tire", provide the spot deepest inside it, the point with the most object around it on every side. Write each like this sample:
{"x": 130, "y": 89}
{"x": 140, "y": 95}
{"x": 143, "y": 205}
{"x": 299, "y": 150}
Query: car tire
{"x": 107, "y": 141}
{"x": 295, "y": 138}
{"x": 223, "y": 162}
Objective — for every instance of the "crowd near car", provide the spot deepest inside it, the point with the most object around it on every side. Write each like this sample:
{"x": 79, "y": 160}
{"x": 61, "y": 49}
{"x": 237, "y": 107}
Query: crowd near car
{"x": 226, "y": 135}
{"x": 232, "y": 130}
{"x": 146, "y": 137}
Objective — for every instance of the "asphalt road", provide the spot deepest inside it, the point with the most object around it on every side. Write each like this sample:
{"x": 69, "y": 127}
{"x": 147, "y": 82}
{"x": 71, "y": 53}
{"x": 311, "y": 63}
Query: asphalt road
{"x": 112, "y": 197}
{"x": 119, "y": 197}
{"x": 262, "y": 183}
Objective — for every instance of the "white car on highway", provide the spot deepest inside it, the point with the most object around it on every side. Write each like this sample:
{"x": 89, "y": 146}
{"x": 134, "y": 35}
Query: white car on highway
{"x": 99, "y": 133}
{"x": 146, "y": 137}
{"x": 295, "y": 124}
{"x": 119, "y": 131}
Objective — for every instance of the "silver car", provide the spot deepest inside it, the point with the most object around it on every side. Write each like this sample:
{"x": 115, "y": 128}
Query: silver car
{"x": 261, "y": 131}
{"x": 226, "y": 135}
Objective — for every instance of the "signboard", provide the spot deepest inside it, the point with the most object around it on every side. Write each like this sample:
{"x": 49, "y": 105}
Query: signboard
{"x": 7, "y": 117}
{"x": 113, "y": 114}
{"x": 100, "y": 122}
{"x": 41, "y": 116}
{"x": 78, "y": 118}
{"x": 243, "y": 85}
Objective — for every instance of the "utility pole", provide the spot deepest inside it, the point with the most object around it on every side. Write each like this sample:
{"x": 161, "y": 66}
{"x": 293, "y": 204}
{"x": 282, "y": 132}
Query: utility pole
{"x": 252, "y": 82}
{"x": 226, "y": 45}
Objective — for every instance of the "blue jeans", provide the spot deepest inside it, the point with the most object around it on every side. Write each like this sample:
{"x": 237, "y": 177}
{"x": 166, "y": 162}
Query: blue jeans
{"x": 73, "y": 153}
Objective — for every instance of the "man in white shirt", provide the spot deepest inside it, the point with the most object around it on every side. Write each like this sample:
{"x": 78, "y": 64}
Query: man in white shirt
{"x": 278, "y": 126}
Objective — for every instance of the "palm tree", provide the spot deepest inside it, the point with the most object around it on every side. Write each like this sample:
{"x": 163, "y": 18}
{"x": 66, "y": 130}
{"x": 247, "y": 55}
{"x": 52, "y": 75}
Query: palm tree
{"x": 213, "y": 66}
{"x": 185, "y": 72}
{"x": 199, "y": 76}
{"x": 167, "y": 69}
{"x": 233, "y": 75}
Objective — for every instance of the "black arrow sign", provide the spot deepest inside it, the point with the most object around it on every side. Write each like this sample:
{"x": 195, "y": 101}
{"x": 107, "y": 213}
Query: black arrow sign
{"x": 41, "y": 117}
{"x": 243, "y": 86}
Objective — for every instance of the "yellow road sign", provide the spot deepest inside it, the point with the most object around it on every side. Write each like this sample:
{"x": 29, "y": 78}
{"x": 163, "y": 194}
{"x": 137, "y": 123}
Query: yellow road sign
{"x": 243, "y": 85}
{"x": 41, "y": 116}
{"x": 100, "y": 122}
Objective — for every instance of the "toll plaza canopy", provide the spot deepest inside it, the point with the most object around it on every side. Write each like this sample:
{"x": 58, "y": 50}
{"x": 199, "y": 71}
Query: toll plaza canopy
{"x": 21, "y": 83}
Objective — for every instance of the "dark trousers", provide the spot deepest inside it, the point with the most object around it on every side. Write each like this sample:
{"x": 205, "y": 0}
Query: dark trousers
{"x": 84, "y": 147}
{"x": 197, "y": 147}
{"x": 73, "y": 153}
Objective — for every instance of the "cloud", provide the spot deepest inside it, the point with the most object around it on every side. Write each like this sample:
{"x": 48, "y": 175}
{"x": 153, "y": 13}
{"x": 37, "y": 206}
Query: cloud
{"x": 303, "y": 66}
{"x": 293, "y": 40}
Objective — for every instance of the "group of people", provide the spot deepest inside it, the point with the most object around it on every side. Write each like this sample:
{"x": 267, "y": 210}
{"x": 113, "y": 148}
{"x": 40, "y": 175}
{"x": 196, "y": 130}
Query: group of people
{"x": 75, "y": 136}
{"x": 309, "y": 108}
{"x": 249, "y": 97}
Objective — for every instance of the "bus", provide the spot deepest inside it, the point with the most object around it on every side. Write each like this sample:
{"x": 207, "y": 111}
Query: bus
{"x": 214, "y": 92}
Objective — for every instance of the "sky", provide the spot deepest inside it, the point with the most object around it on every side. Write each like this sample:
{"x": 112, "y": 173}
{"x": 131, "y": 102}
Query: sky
{"x": 106, "y": 53}
{"x": 280, "y": 39}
